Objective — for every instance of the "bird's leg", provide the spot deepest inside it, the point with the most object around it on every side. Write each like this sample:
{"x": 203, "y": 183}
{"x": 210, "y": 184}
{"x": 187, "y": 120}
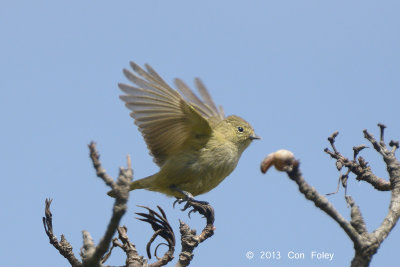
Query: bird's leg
{"x": 188, "y": 197}
{"x": 201, "y": 207}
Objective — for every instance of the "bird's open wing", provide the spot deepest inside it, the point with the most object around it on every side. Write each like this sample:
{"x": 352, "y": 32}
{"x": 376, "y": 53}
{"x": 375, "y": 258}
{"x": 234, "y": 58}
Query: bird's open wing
{"x": 166, "y": 120}
{"x": 205, "y": 106}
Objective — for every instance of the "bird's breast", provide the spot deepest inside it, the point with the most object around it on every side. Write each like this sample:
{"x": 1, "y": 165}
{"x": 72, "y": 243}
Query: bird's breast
{"x": 217, "y": 163}
{"x": 202, "y": 170}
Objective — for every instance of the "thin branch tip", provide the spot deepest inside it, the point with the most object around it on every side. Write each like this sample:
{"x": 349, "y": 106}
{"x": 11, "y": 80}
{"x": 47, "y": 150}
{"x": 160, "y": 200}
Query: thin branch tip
{"x": 129, "y": 162}
{"x": 331, "y": 140}
{"x": 332, "y": 137}
{"x": 63, "y": 246}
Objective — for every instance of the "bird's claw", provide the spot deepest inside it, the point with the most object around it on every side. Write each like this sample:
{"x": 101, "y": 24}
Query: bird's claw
{"x": 190, "y": 202}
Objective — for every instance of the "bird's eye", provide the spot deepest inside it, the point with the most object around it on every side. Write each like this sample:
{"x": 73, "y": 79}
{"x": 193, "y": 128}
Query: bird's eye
{"x": 240, "y": 129}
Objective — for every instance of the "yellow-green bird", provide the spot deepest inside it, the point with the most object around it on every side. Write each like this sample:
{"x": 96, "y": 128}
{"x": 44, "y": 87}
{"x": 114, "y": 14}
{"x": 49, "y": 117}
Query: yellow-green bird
{"x": 191, "y": 140}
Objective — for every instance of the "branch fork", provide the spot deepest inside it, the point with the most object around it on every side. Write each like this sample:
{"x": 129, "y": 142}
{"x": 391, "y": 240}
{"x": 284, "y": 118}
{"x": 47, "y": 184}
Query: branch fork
{"x": 365, "y": 244}
{"x": 91, "y": 254}
{"x": 96, "y": 255}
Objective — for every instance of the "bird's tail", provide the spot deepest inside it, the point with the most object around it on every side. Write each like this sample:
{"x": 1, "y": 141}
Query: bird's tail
{"x": 138, "y": 184}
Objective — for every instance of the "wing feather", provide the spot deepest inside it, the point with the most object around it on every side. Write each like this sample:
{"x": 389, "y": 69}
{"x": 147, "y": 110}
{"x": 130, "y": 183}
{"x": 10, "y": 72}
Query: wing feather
{"x": 207, "y": 99}
{"x": 193, "y": 99}
{"x": 167, "y": 120}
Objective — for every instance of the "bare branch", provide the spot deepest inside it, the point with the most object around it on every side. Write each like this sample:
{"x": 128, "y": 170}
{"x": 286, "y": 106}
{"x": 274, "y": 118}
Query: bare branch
{"x": 63, "y": 247}
{"x": 92, "y": 255}
{"x": 394, "y": 145}
{"x": 88, "y": 248}
{"x": 377, "y": 182}
{"x": 378, "y": 147}
{"x": 133, "y": 258}
{"x": 121, "y": 188}
{"x": 189, "y": 239}
{"x": 115, "y": 243}
{"x": 393, "y": 168}
{"x": 100, "y": 171}
{"x": 321, "y": 202}
{"x": 331, "y": 140}
{"x": 365, "y": 244}
{"x": 360, "y": 169}
{"x": 357, "y": 150}
{"x": 357, "y": 221}
{"x": 382, "y": 127}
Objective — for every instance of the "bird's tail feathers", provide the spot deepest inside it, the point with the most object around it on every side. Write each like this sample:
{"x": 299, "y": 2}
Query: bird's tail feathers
{"x": 139, "y": 184}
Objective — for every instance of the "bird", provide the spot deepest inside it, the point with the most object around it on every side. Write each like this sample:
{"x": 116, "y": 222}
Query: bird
{"x": 190, "y": 139}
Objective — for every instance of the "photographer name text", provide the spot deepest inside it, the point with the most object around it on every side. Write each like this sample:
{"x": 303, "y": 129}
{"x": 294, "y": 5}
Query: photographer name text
{"x": 292, "y": 255}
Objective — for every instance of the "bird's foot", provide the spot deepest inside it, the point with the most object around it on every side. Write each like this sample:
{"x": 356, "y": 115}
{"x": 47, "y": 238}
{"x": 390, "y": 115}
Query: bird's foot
{"x": 202, "y": 207}
{"x": 189, "y": 199}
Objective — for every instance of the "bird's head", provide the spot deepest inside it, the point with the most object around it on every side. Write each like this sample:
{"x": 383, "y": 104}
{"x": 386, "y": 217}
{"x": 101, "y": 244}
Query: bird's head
{"x": 238, "y": 131}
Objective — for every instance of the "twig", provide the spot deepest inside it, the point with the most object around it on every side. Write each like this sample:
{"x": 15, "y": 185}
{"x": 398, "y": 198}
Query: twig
{"x": 133, "y": 258}
{"x": 331, "y": 140}
{"x": 321, "y": 202}
{"x": 189, "y": 239}
{"x": 100, "y": 171}
{"x": 361, "y": 169}
{"x": 93, "y": 256}
{"x": 115, "y": 243}
{"x": 63, "y": 247}
{"x": 394, "y": 145}
{"x": 382, "y": 127}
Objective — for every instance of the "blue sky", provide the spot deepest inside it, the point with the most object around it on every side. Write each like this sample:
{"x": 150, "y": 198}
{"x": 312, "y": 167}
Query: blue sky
{"x": 296, "y": 70}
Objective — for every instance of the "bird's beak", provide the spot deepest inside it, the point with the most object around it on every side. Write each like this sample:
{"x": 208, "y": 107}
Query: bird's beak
{"x": 254, "y": 137}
